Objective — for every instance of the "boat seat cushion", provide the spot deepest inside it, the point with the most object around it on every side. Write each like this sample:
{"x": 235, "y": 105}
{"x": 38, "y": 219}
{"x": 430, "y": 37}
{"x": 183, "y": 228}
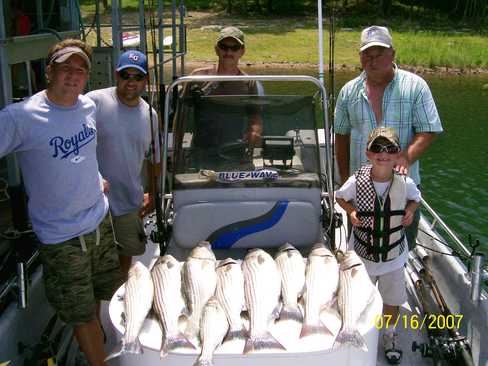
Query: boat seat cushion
{"x": 247, "y": 224}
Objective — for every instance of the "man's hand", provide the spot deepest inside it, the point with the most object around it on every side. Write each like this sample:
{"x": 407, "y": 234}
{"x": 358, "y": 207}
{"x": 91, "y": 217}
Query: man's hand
{"x": 402, "y": 164}
{"x": 105, "y": 186}
{"x": 147, "y": 205}
{"x": 253, "y": 138}
{"x": 355, "y": 220}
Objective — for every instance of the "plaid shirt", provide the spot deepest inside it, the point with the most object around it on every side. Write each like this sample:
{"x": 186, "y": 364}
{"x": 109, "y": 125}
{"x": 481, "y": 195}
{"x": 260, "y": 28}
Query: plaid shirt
{"x": 408, "y": 107}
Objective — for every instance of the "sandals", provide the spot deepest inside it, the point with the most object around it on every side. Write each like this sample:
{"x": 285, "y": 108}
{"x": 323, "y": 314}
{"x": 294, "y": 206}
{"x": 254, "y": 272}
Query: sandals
{"x": 393, "y": 354}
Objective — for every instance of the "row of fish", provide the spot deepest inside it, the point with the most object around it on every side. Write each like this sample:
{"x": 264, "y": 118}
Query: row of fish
{"x": 213, "y": 295}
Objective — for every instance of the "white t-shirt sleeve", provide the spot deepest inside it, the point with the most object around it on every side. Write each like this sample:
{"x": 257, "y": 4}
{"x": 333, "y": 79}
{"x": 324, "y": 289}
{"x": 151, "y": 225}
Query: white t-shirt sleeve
{"x": 348, "y": 190}
{"x": 155, "y": 135}
{"x": 413, "y": 193}
{"x": 10, "y": 138}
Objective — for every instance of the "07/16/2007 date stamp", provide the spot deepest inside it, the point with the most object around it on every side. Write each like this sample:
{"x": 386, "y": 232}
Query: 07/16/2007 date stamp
{"x": 419, "y": 322}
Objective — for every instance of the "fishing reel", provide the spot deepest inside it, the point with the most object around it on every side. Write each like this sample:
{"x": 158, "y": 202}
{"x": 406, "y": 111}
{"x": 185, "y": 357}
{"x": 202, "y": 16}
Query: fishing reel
{"x": 451, "y": 349}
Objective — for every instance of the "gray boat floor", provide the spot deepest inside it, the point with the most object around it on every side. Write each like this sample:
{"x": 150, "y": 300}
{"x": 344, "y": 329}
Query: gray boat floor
{"x": 407, "y": 337}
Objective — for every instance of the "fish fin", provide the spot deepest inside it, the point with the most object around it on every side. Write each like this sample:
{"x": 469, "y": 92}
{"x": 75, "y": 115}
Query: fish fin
{"x": 276, "y": 311}
{"x": 203, "y": 362}
{"x": 291, "y": 313}
{"x": 266, "y": 341}
{"x": 351, "y": 337}
{"x": 331, "y": 303}
{"x": 123, "y": 319}
{"x": 310, "y": 329}
{"x": 178, "y": 341}
{"x": 192, "y": 328}
{"x": 233, "y": 334}
{"x": 122, "y": 348}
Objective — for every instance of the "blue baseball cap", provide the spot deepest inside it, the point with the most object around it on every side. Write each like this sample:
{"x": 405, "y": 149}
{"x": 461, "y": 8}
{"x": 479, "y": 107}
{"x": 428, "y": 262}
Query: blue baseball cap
{"x": 132, "y": 58}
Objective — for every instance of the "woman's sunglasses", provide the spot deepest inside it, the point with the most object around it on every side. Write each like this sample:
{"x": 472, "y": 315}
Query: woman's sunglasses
{"x": 126, "y": 76}
{"x": 225, "y": 47}
{"x": 389, "y": 149}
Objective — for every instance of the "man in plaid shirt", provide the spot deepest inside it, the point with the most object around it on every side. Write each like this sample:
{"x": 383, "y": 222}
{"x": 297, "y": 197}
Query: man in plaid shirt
{"x": 384, "y": 95}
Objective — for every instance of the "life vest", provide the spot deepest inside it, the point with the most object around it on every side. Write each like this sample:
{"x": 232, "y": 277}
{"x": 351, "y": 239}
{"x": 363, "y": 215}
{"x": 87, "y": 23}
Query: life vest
{"x": 381, "y": 235}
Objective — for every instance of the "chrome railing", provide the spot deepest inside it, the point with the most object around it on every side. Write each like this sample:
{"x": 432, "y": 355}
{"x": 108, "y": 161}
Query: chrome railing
{"x": 478, "y": 275}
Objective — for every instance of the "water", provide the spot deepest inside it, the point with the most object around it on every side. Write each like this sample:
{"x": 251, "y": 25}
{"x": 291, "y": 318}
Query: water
{"x": 454, "y": 169}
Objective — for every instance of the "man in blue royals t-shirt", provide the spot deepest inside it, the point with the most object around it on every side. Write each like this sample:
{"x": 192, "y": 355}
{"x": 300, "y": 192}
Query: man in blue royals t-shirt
{"x": 53, "y": 134}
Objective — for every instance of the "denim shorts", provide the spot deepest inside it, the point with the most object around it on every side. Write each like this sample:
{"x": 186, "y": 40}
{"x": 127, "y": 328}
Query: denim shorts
{"x": 78, "y": 272}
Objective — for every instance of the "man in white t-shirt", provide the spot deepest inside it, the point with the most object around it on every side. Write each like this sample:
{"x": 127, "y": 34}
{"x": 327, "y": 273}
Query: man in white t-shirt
{"x": 125, "y": 131}
{"x": 380, "y": 204}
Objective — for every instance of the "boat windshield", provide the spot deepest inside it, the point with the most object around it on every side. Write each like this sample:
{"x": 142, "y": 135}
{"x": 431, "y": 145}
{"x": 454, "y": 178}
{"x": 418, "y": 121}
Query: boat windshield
{"x": 250, "y": 140}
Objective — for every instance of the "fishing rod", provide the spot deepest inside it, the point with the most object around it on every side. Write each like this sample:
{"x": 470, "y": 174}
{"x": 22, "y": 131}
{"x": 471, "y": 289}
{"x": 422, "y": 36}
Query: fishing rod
{"x": 159, "y": 235}
{"x": 331, "y": 104}
{"x": 444, "y": 349}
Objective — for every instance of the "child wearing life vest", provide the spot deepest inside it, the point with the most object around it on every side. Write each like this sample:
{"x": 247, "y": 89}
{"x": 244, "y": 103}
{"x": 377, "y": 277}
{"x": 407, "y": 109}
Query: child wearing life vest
{"x": 380, "y": 203}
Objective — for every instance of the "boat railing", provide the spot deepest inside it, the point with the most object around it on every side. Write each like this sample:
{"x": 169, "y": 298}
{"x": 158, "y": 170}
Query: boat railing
{"x": 437, "y": 221}
{"x": 478, "y": 273}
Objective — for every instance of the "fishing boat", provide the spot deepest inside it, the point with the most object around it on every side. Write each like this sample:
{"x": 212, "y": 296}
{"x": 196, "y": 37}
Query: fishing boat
{"x": 229, "y": 196}
{"x": 240, "y": 197}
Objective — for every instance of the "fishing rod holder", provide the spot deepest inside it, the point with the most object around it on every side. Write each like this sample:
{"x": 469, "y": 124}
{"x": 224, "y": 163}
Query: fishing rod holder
{"x": 478, "y": 276}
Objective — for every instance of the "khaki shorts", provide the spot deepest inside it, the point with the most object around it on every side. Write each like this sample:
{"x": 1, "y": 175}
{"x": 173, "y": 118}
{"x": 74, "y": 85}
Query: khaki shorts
{"x": 76, "y": 279}
{"x": 129, "y": 235}
{"x": 392, "y": 287}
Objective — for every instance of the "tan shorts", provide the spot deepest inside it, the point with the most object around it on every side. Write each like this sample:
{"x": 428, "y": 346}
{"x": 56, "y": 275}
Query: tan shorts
{"x": 79, "y": 272}
{"x": 392, "y": 287}
{"x": 129, "y": 235}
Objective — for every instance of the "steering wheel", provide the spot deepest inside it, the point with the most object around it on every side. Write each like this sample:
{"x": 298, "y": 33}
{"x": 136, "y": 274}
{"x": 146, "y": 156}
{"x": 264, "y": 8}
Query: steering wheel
{"x": 235, "y": 150}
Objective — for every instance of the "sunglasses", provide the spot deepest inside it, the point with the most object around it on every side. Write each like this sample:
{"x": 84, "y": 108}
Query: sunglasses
{"x": 389, "y": 149}
{"x": 126, "y": 76}
{"x": 225, "y": 47}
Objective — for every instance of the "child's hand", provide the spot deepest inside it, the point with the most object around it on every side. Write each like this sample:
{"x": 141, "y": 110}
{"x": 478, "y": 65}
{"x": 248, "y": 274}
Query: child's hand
{"x": 355, "y": 220}
{"x": 408, "y": 217}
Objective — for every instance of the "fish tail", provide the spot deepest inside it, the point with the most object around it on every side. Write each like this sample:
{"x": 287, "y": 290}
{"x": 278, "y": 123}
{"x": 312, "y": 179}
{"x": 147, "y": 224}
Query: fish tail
{"x": 310, "y": 329}
{"x": 263, "y": 342}
{"x": 291, "y": 313}
{"x": 177, "y": 341}
{"x": 203, "y": 362}
{"x": 233, "y": 334}
{"x": 351, "y": 337}
{"x": 122, "y": 348}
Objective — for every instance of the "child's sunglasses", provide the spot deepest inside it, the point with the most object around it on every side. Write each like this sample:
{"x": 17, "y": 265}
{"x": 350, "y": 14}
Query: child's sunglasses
{"x": 126, "y": 76}
{"x": 224, "y": 47}
{"x": 389, "y": 149}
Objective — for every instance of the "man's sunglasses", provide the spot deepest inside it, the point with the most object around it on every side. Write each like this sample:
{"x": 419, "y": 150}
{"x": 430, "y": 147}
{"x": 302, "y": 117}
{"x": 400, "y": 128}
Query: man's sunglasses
{"x": 389, "y": 149}
{"x": 126, "y": 76}
{"x": 225, "y": 47}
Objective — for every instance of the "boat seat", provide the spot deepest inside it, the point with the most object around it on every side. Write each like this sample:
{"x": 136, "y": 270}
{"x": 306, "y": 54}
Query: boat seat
{"x": 247, "y": 217}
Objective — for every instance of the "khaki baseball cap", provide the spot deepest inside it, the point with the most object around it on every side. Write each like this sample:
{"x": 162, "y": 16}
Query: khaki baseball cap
{"x": 65, "y": 53}
{"x": 231, "y": 32}
{"x": 385, "y": 133}
{"x": 375, "y": 36}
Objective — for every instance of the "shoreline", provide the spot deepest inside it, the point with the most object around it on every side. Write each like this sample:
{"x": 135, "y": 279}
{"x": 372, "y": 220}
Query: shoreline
{"x": 421, "y": 70}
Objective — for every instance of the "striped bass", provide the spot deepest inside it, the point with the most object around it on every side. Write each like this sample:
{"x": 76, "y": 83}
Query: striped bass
{"x": 321, "y": 282}
{"x": 292, "y": 271}
{"x": 213, "y": 328}
{"x": 230, "y": 295}
{"x": 199, "y": 281}
{"x": 262, "y": 287}
{"x": 138, "y": 299}
{"x": 168, "y": 302}
{"x": 355, "y": 292}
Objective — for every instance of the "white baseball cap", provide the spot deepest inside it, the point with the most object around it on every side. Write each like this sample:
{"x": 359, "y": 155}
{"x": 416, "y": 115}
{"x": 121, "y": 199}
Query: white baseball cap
{"x": 375, "y": 36}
